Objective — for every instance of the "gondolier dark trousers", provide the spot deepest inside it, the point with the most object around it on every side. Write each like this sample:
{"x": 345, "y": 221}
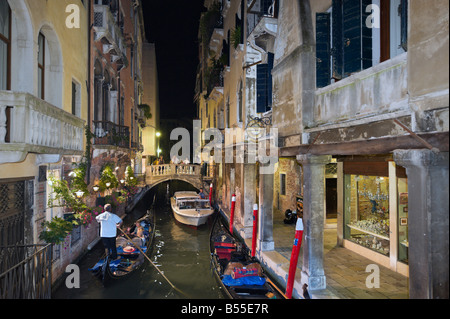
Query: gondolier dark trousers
{"x": 110, "y": 247}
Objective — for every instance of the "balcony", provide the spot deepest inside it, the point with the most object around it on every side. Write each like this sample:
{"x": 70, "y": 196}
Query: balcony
{"x": 263, "y": 14}
{"x": 372, "y": 93}
{"x": 110, "y": 134}
{"x": 108, "y": 32}
{"x": 31, "y": 125}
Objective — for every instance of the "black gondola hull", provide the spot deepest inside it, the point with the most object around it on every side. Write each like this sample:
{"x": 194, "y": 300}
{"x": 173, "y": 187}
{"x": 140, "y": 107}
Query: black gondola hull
{"x": 227, "y": 252}
{"x": 129, "y": 263}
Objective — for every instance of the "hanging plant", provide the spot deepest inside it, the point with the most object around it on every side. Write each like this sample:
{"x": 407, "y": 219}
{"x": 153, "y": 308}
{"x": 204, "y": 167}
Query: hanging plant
{"x": 107, "y": 176}
{"x": 236, "y": 37}
{"x": 78, "y": 182}
{"x": 56, "y": 230}
{"x": 147, "y": 111}
{"x": 86, "y": 217}
{"x": 130, "y": 179}
{"x": 64, "y": 196}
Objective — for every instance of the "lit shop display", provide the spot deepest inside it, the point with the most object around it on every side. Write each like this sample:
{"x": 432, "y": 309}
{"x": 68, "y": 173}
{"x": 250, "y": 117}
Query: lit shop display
{"x": 367, "y": 217}
{"x": 403, "y": 242}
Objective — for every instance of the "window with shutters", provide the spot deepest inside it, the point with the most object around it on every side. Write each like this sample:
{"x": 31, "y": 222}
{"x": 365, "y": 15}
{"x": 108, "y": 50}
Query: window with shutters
{"x": 264, "y": 85}
{"x": 5, "y": 46}
{"x": 41, "y": 66}
{"x": 356, "y": 34}
{"x": 76, "y": 98}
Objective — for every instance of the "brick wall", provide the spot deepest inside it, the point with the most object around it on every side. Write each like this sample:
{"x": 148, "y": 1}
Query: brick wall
{"x": 281, "y": 203}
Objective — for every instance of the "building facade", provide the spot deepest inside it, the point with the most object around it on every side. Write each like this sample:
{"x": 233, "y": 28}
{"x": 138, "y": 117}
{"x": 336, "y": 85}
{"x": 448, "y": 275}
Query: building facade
{"x": 150, "y": 98}
{"x": 357, "y": 94}
{"x": 43, "y": 112}
{"x": 71, "y": 96}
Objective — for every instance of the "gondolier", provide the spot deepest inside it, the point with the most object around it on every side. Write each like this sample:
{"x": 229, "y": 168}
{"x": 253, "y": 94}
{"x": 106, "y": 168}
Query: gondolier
{"x": 108, "y": 230}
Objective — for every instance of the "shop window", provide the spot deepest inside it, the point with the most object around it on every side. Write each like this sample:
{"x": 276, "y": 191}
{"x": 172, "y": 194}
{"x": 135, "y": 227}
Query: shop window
{"x": 403, "y": 243}
{"x": 366, "y": 216}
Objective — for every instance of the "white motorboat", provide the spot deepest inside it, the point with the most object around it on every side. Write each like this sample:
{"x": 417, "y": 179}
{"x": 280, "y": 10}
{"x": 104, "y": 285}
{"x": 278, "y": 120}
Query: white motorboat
{"x": 188, "y": 208}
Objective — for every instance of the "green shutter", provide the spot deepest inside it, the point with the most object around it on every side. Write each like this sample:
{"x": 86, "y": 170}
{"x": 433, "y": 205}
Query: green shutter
{"x": 357, "y": 36}
{"x": 323, "y": 50}
{"x": 337, "y": 51}
{"x": 404, "y": 25}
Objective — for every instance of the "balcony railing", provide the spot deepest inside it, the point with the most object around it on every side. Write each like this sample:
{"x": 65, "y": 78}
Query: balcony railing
{"x": 155, "y": 173}
{"x": 105, "y": 26}
{"x": 108, "y": 133}
{"x": 214, "y": 79}
{"x": 260, "y": 10}
{"x": 31, "y": 125}
{"x": 379, "y": 90}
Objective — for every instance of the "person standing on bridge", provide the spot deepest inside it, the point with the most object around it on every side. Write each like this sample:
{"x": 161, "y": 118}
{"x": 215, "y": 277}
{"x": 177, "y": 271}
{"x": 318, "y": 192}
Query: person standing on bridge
{"x": 108, "y": 230}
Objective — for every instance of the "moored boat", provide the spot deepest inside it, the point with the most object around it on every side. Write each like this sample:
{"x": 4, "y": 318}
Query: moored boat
{"x": 130, "y": 251}
{"x": 240, "y": 276}
{"x": 189, "y": 209}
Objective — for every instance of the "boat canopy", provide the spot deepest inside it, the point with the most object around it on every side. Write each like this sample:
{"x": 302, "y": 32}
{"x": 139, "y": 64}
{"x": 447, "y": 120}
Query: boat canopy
{"x": 193, "y": 203}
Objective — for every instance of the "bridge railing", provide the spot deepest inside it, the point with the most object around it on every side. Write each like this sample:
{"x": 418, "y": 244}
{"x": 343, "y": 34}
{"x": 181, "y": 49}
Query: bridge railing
{"x": 168, "y": 170}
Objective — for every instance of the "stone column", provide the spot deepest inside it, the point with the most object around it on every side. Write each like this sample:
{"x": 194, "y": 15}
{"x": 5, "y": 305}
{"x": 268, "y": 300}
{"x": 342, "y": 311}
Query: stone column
{"x": 313, "y": 219}
{"x": 249, "y": 197}
{"x": 265, "y": 222}
{"x": 428, "y": 190}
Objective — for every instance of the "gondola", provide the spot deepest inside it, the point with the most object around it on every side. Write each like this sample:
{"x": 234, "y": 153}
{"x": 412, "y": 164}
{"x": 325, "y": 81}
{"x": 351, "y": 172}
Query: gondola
{"x": 130, "y": 251}
{"x": 239, "y": 275}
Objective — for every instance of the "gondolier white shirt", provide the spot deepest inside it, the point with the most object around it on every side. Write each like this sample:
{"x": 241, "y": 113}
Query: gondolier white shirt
{"x": 108, "y": 222}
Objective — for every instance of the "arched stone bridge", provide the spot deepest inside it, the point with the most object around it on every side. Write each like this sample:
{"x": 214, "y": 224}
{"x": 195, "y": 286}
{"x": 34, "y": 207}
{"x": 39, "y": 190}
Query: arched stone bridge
{"x": 156, "y": 174}
{"x": 192, "y": 174}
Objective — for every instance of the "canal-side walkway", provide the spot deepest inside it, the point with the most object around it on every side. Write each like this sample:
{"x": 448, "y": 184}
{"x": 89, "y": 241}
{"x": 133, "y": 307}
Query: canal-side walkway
{"x": 345, "y": 270}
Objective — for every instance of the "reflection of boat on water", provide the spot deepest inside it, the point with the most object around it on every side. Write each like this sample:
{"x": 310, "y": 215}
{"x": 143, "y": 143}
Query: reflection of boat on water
{"x": 189, "y": 209}
{"x": 130, "y": 251}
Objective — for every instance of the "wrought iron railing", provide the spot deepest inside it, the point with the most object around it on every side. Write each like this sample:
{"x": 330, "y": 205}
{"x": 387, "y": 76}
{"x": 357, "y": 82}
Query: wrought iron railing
{"x": 108, "y": 133}
{"x": 26, "y": 272}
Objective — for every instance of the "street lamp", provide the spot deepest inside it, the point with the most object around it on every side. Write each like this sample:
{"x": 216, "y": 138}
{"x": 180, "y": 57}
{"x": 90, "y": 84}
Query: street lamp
{"x": 158, "y": 135}
{"x": 79, "y": 194}
{"x": 96, "y": 188}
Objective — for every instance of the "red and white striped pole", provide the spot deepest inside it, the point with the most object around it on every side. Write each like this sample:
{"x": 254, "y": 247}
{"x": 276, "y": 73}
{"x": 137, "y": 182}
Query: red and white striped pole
{"x": 233, "y": 205}
{"x": 255, "y": 228}
{"x": 210, "y": 194}
{"x": 294, "y": 257}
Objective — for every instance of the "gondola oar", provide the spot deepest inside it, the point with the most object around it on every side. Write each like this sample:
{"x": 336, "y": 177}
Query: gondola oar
{"x": 148, "y": 258}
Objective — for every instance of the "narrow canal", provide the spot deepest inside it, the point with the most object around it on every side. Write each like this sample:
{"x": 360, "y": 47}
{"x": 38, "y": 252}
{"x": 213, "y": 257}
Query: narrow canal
{"x": 180, "y": 252}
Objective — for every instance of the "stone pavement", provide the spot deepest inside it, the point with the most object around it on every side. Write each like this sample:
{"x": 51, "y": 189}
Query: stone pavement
{"x": 344, "y": 269}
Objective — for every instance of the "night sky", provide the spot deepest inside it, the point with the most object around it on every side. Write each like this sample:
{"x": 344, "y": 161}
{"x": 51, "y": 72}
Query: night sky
{"x": 173, "y": 27}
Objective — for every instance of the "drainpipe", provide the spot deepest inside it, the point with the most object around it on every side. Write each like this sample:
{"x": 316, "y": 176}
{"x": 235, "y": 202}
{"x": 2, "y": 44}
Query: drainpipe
{"x": 89, "y": 85}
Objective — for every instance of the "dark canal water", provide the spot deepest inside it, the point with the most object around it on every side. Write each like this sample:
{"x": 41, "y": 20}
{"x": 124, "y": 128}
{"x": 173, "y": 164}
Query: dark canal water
{"x": 180, "y": 252}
